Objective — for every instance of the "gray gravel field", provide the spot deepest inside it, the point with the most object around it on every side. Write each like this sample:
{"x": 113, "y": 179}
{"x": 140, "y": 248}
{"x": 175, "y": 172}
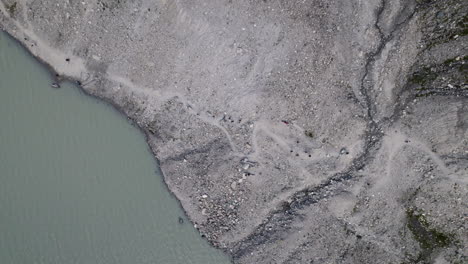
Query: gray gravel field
{"x": 291, "y": 131}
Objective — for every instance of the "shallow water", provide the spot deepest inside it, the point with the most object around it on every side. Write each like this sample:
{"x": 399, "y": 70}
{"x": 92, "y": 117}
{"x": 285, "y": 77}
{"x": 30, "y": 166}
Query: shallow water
{"x": 77, "y": 181}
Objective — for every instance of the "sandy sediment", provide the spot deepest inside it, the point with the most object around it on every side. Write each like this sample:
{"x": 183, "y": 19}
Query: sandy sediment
{"x": 291, "y": 132}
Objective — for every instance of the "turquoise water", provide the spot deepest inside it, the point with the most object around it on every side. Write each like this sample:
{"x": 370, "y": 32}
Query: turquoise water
{"x": 77, "y": 181}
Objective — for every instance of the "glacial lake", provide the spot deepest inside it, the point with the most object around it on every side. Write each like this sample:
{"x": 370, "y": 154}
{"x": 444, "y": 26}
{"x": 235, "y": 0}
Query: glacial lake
{"x": 78, "y": 183}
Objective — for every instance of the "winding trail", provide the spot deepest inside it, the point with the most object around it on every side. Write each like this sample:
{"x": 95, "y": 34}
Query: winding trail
{"x": 281, "y": 220}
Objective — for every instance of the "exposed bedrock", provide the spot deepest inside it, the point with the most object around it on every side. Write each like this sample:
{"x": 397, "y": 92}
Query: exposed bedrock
{"x": 291, "y": 131}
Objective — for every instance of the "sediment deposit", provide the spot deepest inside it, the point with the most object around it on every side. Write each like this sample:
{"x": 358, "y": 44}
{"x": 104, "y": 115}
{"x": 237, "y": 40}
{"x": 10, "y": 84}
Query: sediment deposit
{"x": 291, "y": 131}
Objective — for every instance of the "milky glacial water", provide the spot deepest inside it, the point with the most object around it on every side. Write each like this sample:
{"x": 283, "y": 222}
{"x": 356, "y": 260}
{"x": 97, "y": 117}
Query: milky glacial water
{"x": 77, "y": 181}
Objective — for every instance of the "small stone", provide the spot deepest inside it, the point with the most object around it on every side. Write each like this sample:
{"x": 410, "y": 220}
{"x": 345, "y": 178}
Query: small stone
{"x": 344, "y": 151}
{"x": 233, "y": 185}
{"x": 440, "y": 14}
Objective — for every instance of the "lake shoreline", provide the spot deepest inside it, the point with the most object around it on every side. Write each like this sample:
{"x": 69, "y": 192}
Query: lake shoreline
{"x": 285, "y": 129}
{"x": 61, "y": 79}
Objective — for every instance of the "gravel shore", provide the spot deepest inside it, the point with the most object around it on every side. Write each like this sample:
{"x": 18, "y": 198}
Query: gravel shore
{"x": 290, "y": 131}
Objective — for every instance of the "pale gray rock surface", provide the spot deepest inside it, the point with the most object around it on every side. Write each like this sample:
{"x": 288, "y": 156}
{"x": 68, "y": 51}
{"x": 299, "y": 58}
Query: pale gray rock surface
{"x": 291, "y": 131}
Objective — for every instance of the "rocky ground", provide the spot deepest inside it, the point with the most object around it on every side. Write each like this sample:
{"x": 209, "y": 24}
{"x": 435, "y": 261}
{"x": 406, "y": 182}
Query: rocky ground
{"x": 291, "y": 131}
